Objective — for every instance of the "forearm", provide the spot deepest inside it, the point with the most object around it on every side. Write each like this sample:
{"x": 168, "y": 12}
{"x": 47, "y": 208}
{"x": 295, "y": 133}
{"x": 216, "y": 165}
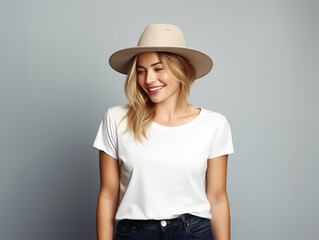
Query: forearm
{"x": 220, "y": 219}
{"x": 105, "y": 217}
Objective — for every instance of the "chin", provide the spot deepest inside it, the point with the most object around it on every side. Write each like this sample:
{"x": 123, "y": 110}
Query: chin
{"x": 156, "y": 100}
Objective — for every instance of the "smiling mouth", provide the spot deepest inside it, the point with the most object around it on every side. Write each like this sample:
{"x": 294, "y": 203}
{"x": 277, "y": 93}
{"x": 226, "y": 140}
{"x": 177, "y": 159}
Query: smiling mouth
{"x": 155, "y": 89}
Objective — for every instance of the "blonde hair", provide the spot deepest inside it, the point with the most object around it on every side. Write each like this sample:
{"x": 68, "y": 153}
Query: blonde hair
{"x": 141, "y": 109}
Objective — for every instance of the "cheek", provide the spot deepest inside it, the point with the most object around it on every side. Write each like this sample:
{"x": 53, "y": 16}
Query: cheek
{"x": 175, "y": 84}
{"x": 140, "y": 81}
{"x": 168, "y": 78}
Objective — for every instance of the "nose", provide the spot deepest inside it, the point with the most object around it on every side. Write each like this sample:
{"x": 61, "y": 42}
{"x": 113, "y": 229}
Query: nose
{"x": 150, "y": 77}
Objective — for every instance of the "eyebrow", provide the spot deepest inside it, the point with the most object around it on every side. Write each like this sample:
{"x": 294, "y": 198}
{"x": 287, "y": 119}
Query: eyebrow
{"x": 138, "y": 66}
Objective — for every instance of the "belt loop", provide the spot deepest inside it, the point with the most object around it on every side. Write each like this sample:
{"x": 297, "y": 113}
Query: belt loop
{"x": 185, "y": 222}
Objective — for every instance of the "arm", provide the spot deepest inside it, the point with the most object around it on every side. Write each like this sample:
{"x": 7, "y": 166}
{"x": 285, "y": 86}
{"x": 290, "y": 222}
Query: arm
{"x": 108, "y": 197}
{"x": 216, "y": 175}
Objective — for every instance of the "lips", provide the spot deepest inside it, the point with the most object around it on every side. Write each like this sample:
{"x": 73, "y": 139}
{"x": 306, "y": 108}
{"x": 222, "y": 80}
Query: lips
{"x": 154, "y": 90}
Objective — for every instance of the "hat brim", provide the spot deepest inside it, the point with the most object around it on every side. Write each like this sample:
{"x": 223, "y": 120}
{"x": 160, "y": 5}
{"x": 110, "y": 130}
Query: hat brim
{"x": 121, "y": 59}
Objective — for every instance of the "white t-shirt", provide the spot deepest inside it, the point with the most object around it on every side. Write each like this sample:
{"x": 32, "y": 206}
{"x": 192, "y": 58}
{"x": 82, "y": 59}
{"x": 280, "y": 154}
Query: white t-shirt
{"x": 165, "y": 176}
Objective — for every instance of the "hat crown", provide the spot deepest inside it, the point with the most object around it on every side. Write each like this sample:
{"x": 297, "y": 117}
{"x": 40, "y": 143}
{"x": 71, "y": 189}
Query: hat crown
{"x": 162, "y": 35}
{"x": 162, "y": 38}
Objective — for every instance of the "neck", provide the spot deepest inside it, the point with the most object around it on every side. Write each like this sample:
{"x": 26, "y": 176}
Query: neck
{"x": 168, "y": 112}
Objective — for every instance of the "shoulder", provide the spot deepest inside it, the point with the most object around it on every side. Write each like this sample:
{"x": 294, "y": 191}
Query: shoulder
{"x": 213, "y": 116}
{"x": 214, "y": 121}
{"x": 117, "y": 111}
{"x": 115, "y": 114}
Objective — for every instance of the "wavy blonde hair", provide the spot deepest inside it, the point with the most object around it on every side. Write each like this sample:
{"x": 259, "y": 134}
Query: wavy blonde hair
{"x": 141, "y": 109}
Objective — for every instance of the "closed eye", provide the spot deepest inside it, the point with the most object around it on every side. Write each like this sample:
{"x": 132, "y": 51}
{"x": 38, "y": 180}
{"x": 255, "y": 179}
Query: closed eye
{"x": 158, "y": 69}
{"x": 140, "y": 72}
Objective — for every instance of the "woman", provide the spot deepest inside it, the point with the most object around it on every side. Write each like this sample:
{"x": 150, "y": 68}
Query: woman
{"x": 157, "y": 152}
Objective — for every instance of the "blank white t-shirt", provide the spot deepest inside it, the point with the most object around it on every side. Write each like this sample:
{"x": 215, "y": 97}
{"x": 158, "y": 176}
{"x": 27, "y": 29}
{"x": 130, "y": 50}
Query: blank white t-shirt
{"x": 165, "y": 176}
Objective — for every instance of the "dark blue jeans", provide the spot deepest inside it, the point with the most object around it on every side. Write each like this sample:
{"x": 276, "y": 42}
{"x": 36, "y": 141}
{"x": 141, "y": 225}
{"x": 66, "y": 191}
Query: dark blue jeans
{"x": 186, "y": 226}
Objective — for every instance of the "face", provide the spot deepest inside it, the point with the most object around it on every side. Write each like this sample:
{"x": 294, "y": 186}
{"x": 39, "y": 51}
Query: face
{"x": 155, "y": 80}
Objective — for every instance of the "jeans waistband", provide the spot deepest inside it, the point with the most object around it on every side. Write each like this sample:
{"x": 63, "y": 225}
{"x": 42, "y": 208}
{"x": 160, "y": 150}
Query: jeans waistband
{"x": 183, "y": 219}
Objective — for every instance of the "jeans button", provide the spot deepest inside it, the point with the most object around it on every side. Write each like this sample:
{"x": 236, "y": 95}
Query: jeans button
{"x": 163, "y": 223}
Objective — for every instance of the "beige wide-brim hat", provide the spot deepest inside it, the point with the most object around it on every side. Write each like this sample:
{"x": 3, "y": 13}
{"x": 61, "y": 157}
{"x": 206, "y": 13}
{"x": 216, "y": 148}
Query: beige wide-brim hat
{"x": 162, "y": 38}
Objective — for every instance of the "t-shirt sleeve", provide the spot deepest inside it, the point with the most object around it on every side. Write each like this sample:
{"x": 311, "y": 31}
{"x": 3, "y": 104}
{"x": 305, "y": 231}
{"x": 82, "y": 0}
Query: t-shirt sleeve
{"x": 222, "y": 142}
{"x": 106, "y": 138}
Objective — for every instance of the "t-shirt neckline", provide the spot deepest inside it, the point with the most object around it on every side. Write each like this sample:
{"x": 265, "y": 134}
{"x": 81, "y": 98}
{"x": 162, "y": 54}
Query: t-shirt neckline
{"x": 185, "y": 125}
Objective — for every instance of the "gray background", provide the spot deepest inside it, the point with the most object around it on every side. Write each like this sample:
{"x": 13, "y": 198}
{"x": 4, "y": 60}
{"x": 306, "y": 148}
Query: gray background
{"x": 56, "y": 85}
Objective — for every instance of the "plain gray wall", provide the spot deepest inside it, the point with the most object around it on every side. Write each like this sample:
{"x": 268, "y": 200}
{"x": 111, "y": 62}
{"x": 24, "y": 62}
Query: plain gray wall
{"x": 56, "y": 85}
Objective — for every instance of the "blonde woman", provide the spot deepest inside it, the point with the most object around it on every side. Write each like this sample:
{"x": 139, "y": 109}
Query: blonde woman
{"x": 163, "y": 162}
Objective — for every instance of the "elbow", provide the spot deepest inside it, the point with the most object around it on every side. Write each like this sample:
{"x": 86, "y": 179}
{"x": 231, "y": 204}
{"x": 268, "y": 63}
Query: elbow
{"x": 215, "y": 198}
{"x": 109, "y": 193}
